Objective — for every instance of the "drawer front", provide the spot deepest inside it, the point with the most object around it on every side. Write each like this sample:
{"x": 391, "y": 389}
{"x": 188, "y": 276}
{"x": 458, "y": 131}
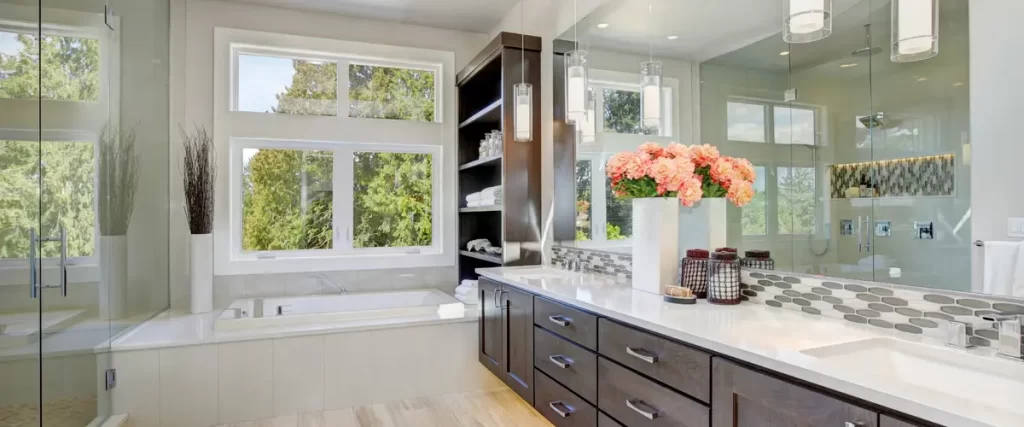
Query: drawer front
{"x": 606, "y": 421}
{"x": 639, "y": 402}
{"x": 561, "y": 406}
{"x": 566, "y": 321}
{"x": 681, "y": 367}
{"x": 572, "y": 365}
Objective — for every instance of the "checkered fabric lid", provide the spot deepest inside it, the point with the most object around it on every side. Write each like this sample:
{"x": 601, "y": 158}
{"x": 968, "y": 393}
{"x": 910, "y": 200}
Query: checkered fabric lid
{"x": 724, "y": 256}
{"x": 758, "y": 253}
{"x": 697, "y": 253}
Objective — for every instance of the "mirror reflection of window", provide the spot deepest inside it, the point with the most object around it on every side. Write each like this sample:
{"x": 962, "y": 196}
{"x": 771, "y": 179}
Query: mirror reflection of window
{"x": 755, "y": 214}
{"x": 584, "y": 200}
{"x": 746, "y": 122}
{"x": 796, "y": 188}
{"x": 794, "y": 125}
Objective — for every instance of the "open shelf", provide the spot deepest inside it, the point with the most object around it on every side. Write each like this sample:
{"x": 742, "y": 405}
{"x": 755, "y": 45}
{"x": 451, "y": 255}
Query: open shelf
{"x": 482, "y": 256}
{"x": 487, "y": 161}
{"x": 489, "y": 114}
{"x": 495, "y": 208}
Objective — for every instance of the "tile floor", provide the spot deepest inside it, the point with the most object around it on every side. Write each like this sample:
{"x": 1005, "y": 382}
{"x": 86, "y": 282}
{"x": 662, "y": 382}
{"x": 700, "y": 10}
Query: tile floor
{"x": 498, "y": 408}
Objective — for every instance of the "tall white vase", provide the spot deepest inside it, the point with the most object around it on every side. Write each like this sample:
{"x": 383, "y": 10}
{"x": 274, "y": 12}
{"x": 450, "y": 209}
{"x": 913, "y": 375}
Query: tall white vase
{"x": 655, "y": 243}
{"x": 704, "y": 226}
{"x": 113, "y": 291}
{"x": 201, "y": 273}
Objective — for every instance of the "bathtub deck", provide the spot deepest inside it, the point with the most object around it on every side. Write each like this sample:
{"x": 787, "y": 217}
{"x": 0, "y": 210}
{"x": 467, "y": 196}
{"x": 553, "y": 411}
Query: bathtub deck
{"x": 498, "y": 408}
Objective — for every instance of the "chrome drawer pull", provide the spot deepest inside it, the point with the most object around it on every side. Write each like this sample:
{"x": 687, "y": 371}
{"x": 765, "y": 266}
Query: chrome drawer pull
{"x": 856, "y": 424}
{"x": 564, "y": 413}
{"x": 635, "y": 404}
{"x": 642, "y": 354}
{"x": 560, "y": 320}
{"x": 561, "y": 361}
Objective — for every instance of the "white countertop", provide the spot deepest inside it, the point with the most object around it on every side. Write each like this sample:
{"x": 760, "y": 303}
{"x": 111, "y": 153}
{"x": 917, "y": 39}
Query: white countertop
{"x": 773, "y": 338}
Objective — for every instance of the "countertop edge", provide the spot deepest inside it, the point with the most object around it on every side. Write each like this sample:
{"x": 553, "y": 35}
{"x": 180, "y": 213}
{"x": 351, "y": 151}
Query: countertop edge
{"x": 896, "y": 403}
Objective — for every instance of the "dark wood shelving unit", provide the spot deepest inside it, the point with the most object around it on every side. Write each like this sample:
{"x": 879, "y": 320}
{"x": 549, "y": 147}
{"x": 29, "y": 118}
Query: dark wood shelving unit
{"x": 485, "y": 103}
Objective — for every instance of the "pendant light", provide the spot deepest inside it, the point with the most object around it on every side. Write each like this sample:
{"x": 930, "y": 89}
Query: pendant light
{"x": 650, "y": 82}
{"x": 806, "y": 20}
{"x": 523, "y": 92}
{"x": 575, "y": 79}
{"x": 915, "y": 30}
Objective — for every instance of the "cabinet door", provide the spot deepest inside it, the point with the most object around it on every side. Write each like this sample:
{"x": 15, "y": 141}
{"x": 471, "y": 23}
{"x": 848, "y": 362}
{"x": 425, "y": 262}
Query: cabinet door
{"x": 745, "y": 398}
{"x": 492, "y": 340}
{"x": 887, "y": 421}
{"x": 518, "y": 328}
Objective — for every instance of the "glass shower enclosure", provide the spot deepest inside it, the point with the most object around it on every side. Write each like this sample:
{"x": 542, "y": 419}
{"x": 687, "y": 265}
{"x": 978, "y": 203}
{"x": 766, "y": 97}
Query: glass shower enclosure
{"x": 83, "y": 198}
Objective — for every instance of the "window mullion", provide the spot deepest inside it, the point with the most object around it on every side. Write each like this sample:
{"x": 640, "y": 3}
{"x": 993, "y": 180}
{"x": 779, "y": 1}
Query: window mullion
{"x": 343, "y": 97}
{"x": 343, "y": 200}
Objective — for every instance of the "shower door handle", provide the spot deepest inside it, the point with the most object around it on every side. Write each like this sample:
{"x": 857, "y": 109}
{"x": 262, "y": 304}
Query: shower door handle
{"x": 33, "y": 271}
{"x": 860, "y": 237}
{"x": 63, "y": 261}
{"x": 868, "y": 232}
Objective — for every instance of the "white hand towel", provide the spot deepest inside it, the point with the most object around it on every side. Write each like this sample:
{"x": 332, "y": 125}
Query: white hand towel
{"x": 489, "y": 192}
{"x": 464, "y": 291}
{"x": 469, "y": 282}
{"x": 472, "y": 299}
{"x": 1001, "y": 264}
{"x": 1017, "y": 288}
{"x": 472, "y": 197}
{"x": 473, "y": 204}
{"x": 489, "y": 202}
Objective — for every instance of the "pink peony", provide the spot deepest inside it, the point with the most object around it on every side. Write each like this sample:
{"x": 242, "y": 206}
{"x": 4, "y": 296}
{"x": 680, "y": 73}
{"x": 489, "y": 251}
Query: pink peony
{"x": 741, "y": 193}
{"x": 652, "y": 149}
{"x": 621, "y": 163}
{"x": 669, "y": 174}
{"x": 690, "y": 192}
{"x": 723, "y": 172}
{"x": 677, "y": 151}
{"x": 704, "y": 155}
{"x": 744, "y": 168}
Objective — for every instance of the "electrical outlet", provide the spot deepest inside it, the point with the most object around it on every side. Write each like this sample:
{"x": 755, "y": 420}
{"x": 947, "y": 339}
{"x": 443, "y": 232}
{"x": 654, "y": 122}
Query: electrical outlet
{"x": 1015, "y": 227}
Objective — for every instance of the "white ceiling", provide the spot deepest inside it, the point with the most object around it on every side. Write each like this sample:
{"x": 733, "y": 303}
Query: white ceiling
{"x": 479, "y": 16}
{"x": 704, "y": 29}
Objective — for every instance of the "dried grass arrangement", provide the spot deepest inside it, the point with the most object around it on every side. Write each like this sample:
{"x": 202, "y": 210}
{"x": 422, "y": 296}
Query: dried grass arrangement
{"x": 118, "y": 177}
{"x": 199, "y": 170}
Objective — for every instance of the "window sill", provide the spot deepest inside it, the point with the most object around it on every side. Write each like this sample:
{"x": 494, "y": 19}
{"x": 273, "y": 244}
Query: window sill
{"x": 18, "y": 276}
{"x": 244, "y": 266}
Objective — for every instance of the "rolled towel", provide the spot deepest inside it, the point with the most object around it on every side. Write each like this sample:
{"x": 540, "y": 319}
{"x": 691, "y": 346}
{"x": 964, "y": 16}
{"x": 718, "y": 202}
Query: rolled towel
{"x": 489, "y": 192}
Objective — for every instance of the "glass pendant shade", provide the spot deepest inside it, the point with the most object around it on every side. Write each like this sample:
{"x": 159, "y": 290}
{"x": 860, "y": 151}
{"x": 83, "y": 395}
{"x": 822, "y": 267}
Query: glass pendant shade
{"x": 806, "y": 20}
{"x": 575, "y": 86}
{"x": 915, "y": 30}
{"x": 650, "y": 93}
{"x": 523, "y": 112}
{"x": 588, "y": 128}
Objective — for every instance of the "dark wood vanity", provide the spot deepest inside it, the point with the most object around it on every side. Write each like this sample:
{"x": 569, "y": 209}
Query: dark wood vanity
{"x": 581, "y": 369}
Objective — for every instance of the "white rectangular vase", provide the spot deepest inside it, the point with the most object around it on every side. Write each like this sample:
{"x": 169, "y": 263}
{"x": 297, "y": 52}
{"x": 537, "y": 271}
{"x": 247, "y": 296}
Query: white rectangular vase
{"x": 704, "y": 226}
{"x": 201, "y": 273}
{"x": 113, "y": 292}
{"x": 655, "y": 243}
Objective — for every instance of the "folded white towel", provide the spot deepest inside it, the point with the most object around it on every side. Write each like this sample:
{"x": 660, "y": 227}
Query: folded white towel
{"x": 472, "y": 299}
{"x": 460, "y": 291}
{"x": 490, "y": 192}
{"x": 474, "y": 196}
{"x": 469, "y": 282}
{"x": 1001, "y": 264}
{"x": 473, "y": 204}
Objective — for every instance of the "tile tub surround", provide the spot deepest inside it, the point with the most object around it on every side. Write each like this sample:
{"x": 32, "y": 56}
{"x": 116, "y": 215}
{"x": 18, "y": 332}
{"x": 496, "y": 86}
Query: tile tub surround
{"x": 231, "y": 382}
{"x": 774, "y": 339}
{"x": 604, "y": 262}
{"x": 901, "y": 308}
{"x": 915, "y": 176}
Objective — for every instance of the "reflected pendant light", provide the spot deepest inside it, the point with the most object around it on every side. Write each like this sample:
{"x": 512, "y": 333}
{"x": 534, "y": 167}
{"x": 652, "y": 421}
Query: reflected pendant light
{"x": 575, "y": 80}
{"x": 523, "y": 93}
{"x": 915, "y": 30}
{"x": 806, "y": 20}
{"x": 588, "y": 128}
{"x": 650, "y": 84}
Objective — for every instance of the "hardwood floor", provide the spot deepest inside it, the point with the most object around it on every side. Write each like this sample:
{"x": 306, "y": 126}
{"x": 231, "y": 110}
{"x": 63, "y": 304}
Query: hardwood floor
{"x": 498, "y": 408}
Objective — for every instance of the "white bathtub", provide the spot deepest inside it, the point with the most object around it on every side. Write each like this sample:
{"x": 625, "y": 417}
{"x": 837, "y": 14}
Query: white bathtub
{"x": 324, "y": 309}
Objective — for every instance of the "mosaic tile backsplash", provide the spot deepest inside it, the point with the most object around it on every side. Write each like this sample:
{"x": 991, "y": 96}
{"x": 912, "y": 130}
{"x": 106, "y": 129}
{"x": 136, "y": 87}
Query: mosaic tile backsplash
{"x": 914, "y": 311}
{"x": 916, "y": 176}
{"x": 610, "y": 263}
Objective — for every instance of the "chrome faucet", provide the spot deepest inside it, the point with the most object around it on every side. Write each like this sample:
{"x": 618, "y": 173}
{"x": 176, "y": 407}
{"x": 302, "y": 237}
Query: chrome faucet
{"x": 958, "y": 334}
{"x": 323, "y": 278}
{"x": 574, "y": 262}
{"x": 1010, "y": 327}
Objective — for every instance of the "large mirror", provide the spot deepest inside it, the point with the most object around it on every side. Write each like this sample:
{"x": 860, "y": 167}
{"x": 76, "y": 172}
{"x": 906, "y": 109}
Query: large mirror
{"x": 863, "y": 163}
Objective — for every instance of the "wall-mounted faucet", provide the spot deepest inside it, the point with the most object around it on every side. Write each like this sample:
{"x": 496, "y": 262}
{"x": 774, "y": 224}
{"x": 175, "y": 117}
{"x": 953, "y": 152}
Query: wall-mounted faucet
{"x": 323, "y": 278}
{"x": 958, "y": 334}
{"x": 1010, "y": 327}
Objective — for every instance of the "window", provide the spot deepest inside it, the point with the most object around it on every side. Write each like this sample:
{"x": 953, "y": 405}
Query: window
{"x": 796, "y": 193}
{"x": 71, "y": 67}
{"x": 322, "y": 185}
{"x": 622, "y": 112}
{"x": 748, "y": 121}
{"x": 619, "y": 214}
{"x": 755, "y": 215}
{"x": 584, "y": 199}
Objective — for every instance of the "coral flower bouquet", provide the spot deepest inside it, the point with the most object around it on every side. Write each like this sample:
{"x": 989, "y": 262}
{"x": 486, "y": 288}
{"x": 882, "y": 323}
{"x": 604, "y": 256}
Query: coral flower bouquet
{"x": 689, "y": 173}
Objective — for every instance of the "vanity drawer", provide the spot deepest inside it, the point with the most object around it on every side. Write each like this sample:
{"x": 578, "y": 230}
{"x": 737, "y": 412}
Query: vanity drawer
{"x": 570, "y": 364}
{"x": 561, "y": 406}
{"x": 681, "y": 367}
{"x": 577, "y": 326}
{"x": 606, "y": 421}
{"x": 640, "y": 402}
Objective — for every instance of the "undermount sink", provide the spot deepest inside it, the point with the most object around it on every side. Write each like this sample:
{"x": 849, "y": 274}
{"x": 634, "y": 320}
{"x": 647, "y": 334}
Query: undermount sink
{"x": 547, "y": 273}
{"x": 984, "y": 381}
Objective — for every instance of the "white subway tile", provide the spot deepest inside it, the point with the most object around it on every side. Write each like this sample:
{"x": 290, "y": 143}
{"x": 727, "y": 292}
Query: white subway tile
{"x": 298, "y": 375}
{"x": 188, "y": 386}
{"x": 246, "y": 381}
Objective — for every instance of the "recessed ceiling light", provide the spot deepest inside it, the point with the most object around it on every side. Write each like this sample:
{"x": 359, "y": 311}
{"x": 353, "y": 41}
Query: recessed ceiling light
{"x": 603, "y": 25}
{"x": 852, "y": 64}
{"x": 784, "y": 53}
{"x": 922, "y": 79}
{"x": 958, "y": 84}
{"x": 672, "y": 37}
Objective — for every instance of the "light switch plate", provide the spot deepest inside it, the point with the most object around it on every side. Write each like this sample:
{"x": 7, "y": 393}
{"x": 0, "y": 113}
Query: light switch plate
{"x": 1015, "y": 227}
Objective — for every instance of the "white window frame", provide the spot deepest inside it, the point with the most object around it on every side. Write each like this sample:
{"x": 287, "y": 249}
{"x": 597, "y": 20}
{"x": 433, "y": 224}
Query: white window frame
{"x": 63, "y": 120}
{"x": 235, "y": 130}
{"x": 769, "y": 120}
{"x": 616, "y": 80}
{"x": 599, "y": 203}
